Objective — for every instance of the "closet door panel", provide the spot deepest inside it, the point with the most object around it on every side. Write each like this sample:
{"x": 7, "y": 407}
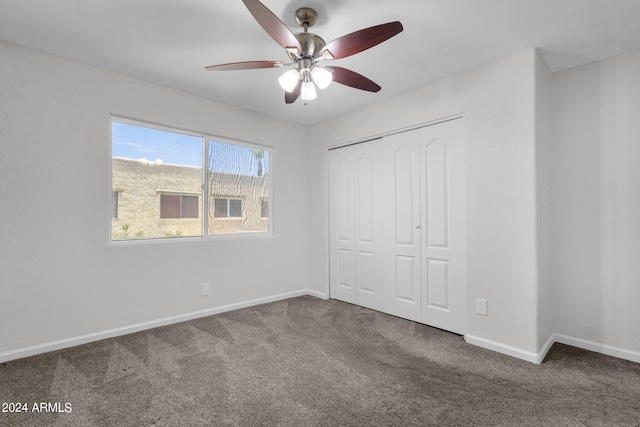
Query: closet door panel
{"x": 345, "y": 269}
{"x": 364, "y": 191}
{"x": 368, "y": 182}
{"x": 341, "y": 226}
{"x": 401, "y": 196}
{"x": 443, "y": 218}
{"x": 436, "y": 192}
{"x": 405, "y": 268}
{"x": 366, "y": 274}
{"x": 437, "y": 272}
{"x": 355, "y": 222}
{"x": 402, "y": 175}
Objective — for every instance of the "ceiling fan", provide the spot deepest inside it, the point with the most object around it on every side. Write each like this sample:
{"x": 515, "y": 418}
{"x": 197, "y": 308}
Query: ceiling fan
{"x": 306, "y": 50}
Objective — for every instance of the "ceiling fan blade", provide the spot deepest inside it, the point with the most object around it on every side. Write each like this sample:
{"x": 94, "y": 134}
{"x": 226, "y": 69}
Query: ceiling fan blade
{"x": 290, "y": 97}
{"x": 273, "y": 25}
{"x": 352, "y": 79}
{"x": 360, "y": 40}
{"x": 247, "y": 65}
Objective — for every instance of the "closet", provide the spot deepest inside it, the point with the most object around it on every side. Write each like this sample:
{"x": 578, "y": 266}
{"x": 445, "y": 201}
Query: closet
{"x": 397, "y": 225}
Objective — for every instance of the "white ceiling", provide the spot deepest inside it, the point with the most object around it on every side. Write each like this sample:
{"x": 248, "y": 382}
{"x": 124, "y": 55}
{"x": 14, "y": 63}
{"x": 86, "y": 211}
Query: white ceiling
{"x": 169, "y": 42}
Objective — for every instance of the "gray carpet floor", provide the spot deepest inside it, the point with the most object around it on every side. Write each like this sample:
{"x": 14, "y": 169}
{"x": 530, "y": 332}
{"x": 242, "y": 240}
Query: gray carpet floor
{"x": 310, "y": 362}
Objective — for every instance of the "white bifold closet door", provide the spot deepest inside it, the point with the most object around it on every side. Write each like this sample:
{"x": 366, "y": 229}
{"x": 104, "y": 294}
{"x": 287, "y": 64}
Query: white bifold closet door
{"x": 443, "y": 237}
{"x": 401, "y": 193}
{"x": 356, "y": 273}
{"x": 397, "y": 225}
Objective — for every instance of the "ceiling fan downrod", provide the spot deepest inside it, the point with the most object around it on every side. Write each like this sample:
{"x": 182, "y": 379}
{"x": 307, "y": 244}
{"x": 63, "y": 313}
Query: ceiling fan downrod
{"x": 306, "y": 59}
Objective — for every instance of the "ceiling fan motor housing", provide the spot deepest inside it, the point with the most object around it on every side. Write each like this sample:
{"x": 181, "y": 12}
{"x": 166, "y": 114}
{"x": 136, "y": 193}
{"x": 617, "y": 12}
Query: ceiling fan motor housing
{"x": 311, "y": 45}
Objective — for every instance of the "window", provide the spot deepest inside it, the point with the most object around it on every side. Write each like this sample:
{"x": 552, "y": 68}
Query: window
{"x": 227, "y": 208}
{"x": 178, "y": 206}
{"x": 238, "y": 183}
{"x": 167, "y": 193}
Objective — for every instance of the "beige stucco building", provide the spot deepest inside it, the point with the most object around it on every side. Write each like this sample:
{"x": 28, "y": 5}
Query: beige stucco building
{"x": 156, "y": 200}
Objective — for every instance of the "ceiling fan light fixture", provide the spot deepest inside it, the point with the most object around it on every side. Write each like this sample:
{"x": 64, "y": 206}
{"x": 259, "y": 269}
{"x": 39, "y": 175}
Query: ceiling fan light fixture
{"x": 321, "y": 77}
{"x": 308, "y": 92}
{"x": 289, "y": 80}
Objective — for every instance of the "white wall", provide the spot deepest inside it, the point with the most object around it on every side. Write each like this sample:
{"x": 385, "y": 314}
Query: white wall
{"x": 498, "y": 103}
{"x": 544, "y": 202}
{"x": 59, "y": 276}
{"x": 597, "y": 170}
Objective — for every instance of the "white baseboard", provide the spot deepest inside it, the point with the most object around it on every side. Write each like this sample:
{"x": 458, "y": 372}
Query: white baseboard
{"x": 538, "y": 357}
{"x": 609, "y": 350}
{"x": 546, "y": 347}
{"x": 84, "y": 339}
{"x": 317, "y": 294}
{"x": 529, "y": 356}
{"x": 519, "y": 353}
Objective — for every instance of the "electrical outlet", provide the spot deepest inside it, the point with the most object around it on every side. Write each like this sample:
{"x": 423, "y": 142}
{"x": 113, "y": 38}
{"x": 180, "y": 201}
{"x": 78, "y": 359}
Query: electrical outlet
{"x": 205, "y": 289}
{"x": 481, "y": 307}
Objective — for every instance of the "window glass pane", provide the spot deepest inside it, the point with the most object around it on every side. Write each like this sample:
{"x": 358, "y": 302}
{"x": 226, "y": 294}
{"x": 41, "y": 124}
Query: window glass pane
{"x": 235, "y": 208}
{"x": 147, "y": 163}
{"x": 220, "y": 208}
{"x": 239, "y": 174}
{"x": 264, "y": 209}
{"x": 169, "y": 206}
{"x": 189, "y": 206}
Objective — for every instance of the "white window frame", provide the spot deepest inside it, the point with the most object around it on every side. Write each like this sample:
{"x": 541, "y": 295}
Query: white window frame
{"x": 204, "y": 214}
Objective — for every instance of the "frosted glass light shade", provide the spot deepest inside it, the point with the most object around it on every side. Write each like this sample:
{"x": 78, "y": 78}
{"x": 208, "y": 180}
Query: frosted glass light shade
{"x": 321, "y": 77}
{"x": 289, "y": 80}
{"x": 308, "y": 92}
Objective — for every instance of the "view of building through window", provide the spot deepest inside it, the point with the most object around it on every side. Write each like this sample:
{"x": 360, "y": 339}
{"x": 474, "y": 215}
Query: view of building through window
{"x": 237, "y": 184}
{"x": 159, "y": 190}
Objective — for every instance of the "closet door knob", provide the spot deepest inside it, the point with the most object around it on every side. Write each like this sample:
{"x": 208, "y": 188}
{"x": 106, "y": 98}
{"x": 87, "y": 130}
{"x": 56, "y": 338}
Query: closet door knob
{"x": 417, "y": 227}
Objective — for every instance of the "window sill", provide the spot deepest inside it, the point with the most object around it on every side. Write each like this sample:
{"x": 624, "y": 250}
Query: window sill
{"x": 248, "y": 235}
